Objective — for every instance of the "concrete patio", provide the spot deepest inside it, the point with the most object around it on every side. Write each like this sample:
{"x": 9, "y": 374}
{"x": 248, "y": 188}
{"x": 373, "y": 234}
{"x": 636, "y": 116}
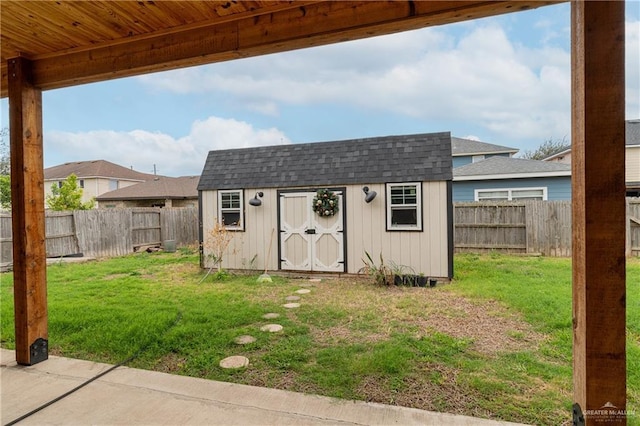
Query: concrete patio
{"x": 138, "y": 397}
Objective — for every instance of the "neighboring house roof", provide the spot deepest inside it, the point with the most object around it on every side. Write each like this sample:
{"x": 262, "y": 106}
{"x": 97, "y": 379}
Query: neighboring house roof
{"x": 557, "y": 154}
{"x": 632, "y": 137}
{"x": 408, "y": 158}
{"x": 94, "y": 169}
{"x": 509, "y": 168}
{"x": 158, "y": 188}
{"x": 460, "y": 146}
{"x": 632, "y": 132}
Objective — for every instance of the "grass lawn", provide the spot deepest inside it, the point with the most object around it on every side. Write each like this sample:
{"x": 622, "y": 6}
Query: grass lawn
{"x": 496, "y": 343}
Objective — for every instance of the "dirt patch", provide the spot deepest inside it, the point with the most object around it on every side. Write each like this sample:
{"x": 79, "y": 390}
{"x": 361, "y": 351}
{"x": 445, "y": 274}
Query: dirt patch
{"x": 433, "y": 388}
{"x": 115, "y": 276}
{"x": 488, "y": 324}
{"x": 375, "y": 315}
{"x": 170, "y": 363}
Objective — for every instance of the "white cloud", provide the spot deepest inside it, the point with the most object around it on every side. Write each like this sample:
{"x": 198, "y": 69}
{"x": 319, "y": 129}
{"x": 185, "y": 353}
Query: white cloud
{"x": 142, "y": 149}
{"x": 481, "y": 78}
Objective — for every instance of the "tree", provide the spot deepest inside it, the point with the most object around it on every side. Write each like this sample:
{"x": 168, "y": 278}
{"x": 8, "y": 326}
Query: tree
{"x": 5, "y": 170}
{"x": 5, "y": 192}
{"x": 68, "y": 196}
{"x": 547, "y": 149}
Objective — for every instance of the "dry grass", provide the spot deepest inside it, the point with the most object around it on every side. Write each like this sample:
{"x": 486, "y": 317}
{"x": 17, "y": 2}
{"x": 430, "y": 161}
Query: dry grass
{"x": 488, "y": 326}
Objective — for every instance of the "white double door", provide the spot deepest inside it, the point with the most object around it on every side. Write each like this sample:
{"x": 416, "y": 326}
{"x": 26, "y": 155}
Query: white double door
{"x": 309, "y": 242}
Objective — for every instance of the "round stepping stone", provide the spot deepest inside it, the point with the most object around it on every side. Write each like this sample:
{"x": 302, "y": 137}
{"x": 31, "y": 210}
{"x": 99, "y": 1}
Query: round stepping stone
{"x": 291, "y": 305}
{"x": 271, "y": 315}
{"x": 303, "y": 291}
{"x": 271, "y": 328}
{"x": 235, "y": 361}
{"x": 306, "y": 285}
{"x": 244, "y": 340}
{"x": 292, "y": 298}
{"x": 314, "y": 280}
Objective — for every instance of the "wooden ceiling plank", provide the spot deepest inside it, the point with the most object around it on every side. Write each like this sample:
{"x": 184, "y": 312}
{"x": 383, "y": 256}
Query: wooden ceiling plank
{"x": 94, "y": 6}
{"x": 152, "y": 16}
{"x": 109, "y": 23}
{"x": 184, "y": 13}
{"x": 41, "y": 37}
{"x": 53, "y": 28}
{"x": 8, "y": 44}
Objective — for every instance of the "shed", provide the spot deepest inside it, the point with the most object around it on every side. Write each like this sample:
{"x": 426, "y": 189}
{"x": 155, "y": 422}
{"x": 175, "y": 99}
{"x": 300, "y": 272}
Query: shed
{"x": 409, "y": 222}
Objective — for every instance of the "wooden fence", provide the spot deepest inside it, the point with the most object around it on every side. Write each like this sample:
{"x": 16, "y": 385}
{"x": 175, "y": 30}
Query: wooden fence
{"x": 108, "y": 232}
{"x": 528, "y": 227}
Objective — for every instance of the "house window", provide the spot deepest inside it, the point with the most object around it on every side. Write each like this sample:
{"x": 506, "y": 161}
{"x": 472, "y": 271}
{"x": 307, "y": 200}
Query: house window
{"x": 113, "y": 184}
{"x": 59, "y": 184}
{"x": 404, "y": 207}
{"x": 230, "y": 209}
{"x": 81, "y": 181}
{"x": 476, "y": 158}
{"x": 511, "y": 194}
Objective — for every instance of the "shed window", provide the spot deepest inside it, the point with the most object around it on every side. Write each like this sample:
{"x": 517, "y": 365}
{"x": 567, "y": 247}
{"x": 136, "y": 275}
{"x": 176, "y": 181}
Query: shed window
{"x": 230, "y": 209}
{"x": 510, "y": 194}
{"x": 404, "y": 207}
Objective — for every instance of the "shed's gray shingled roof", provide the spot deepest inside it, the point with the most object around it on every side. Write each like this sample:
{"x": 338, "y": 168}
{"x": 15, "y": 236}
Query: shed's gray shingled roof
{"x": 460, "y": 146}
{"x": 508, "y": 166}
{"x": 408, "y": 158}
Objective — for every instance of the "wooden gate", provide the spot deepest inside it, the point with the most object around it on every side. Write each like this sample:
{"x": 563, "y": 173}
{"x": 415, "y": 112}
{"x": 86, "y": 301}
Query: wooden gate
{"x": 309, "y": 242}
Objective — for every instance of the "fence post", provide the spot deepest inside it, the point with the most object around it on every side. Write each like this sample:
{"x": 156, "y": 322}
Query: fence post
{"x": 628, "y": 244}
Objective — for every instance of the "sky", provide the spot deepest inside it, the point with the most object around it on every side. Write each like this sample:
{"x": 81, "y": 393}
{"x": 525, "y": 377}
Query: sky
{"x": 503, "y": 80}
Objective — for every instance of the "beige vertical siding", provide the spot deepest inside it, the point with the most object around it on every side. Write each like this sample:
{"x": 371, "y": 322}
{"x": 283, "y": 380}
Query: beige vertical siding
{"x": 632, "y": 164}
{"x": 424, "y": 252}
{"x": 254, "y": 240}
{"x": 365, "y": 229}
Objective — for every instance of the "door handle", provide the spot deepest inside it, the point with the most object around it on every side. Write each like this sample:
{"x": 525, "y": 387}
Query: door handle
{"x": 310, "y": 231}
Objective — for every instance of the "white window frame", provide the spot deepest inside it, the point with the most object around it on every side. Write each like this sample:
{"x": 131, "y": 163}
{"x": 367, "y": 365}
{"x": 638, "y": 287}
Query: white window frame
{"x": 510, "y": 192}
{"x": 239, "y": 210}
{"x": 476, "y": 158}
{"x": 418, "y": 207}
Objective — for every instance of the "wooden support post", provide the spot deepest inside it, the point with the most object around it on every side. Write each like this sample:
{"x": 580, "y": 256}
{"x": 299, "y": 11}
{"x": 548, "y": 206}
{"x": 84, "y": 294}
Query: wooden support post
{"x": 598, "y": 141}
{"x": 28, "y": 220}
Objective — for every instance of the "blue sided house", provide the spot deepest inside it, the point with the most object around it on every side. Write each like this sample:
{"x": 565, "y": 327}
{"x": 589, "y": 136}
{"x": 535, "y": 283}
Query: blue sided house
{"x": 501, "y": 178}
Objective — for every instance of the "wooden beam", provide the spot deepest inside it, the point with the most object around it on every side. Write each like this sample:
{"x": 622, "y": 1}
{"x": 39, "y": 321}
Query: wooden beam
{"x": 598, "y": 143}
{"x": 28, "y": 220}
{"x": 307, "y": 24}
